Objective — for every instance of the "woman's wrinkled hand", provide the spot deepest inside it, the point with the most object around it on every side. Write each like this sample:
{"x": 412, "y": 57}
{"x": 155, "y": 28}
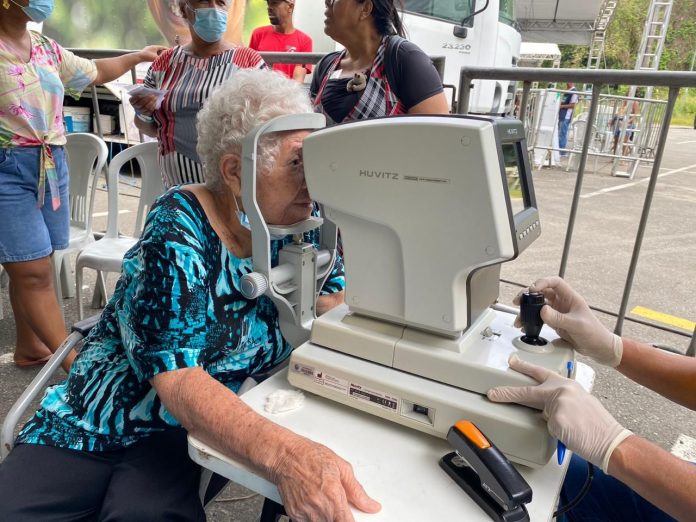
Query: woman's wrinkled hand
{"x": 317, "y": 485}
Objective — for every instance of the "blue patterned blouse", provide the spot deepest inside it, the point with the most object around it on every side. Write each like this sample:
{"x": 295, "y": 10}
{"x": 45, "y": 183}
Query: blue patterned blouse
{"x": 176, "y": 305}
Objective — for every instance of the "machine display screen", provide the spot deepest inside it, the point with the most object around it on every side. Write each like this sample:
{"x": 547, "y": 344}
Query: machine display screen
{"x": 514, "y": 175}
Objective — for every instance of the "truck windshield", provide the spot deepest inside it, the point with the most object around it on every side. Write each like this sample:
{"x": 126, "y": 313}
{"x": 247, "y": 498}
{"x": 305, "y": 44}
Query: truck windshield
{"x": 507, "y": 12}
{"x": 453, "y": 11}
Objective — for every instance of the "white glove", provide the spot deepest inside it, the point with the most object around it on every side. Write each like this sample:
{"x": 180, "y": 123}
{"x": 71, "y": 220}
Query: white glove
{"x": 568, "y": 314}
{"x": 574, "y": 416}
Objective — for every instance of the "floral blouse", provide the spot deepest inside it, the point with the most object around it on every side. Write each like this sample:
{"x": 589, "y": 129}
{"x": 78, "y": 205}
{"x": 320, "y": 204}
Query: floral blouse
{"x": 31, "y": 98}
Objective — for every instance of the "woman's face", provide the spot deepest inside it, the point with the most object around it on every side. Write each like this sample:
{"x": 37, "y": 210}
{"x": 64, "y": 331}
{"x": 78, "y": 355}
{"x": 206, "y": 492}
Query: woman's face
{"x": 16, "y": 9}
{"x": 282, "y": 193}
{"x": 341, "y": 16}
{"x": 172, "y": 25}
{"x": 188, "y": 7}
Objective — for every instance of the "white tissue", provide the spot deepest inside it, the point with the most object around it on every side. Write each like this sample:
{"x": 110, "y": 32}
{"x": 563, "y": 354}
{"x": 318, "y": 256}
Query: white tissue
{"x": 281, "y": 401}
{"x": 141, "y": 89}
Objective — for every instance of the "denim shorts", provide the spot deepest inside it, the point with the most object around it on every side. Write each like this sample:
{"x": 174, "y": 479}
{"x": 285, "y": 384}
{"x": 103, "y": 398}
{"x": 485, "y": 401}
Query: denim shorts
{"x": 27, "y": 231}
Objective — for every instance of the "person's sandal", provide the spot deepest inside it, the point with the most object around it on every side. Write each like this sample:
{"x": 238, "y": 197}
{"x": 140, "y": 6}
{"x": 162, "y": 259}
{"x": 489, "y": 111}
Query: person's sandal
{"x": 34, "y": 362}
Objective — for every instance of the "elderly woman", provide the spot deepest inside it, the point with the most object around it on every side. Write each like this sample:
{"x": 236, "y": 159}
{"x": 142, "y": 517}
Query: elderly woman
{"x": 379, "y": 73}
{"x": 189, "y": 73}
{"x": 174, "y": 344}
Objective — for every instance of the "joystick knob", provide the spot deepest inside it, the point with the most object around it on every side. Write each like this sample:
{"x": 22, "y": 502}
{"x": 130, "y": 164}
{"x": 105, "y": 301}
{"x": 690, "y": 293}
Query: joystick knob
{"x": 530, "y": 314}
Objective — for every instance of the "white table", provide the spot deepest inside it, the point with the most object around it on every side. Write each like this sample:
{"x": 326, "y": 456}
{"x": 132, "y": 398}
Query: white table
{"x": 397, "y": 466}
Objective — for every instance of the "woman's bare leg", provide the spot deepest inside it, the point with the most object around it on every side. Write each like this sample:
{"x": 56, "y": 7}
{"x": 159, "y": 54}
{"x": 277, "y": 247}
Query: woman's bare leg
{"x": 28, "y": 346}
{"x": 38, "y": 317}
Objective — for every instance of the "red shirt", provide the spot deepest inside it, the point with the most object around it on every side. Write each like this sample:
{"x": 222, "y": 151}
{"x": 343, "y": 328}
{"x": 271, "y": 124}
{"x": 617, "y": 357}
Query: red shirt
{"x": 267, "y": 39}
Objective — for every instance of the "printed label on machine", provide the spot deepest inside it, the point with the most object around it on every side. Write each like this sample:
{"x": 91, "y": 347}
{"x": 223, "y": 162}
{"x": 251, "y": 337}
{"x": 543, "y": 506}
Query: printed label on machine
{"x": 335, "y": 383}
{"x": 303, "y": 369}
{"x": 383, "y": 400}
{"x": 323, "y": 379}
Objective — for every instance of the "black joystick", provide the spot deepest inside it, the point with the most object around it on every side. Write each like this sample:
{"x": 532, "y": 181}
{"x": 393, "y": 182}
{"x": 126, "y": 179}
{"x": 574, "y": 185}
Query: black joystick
{"x": 530, "y": 314}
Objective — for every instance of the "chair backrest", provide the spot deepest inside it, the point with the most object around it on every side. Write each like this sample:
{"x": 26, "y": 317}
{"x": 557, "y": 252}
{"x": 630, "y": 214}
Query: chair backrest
{"x": 579, "y": 127}
{"x": 86, "y": 156}
{"x": 151, "y": 184}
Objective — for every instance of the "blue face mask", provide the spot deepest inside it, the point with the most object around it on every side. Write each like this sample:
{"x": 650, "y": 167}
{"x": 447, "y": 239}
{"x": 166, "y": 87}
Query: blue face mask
{"x": 37, "y": 10}
{"x": 210, "y": 23}
{"x": 244, "y": 221}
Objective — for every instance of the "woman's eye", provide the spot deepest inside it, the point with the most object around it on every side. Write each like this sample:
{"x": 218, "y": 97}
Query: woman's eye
{"x": 296, "y": 164}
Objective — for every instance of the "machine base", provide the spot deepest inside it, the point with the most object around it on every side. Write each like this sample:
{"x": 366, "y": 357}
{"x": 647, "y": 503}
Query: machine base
{"x": 419, "y": 403}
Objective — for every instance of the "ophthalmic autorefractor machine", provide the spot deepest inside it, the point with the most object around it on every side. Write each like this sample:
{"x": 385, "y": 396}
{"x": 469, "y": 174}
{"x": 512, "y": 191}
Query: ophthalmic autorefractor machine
{"x": 428, "y": 208}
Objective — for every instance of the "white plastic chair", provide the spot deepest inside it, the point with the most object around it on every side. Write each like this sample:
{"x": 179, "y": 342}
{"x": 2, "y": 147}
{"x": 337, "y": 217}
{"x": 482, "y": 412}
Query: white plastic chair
{"x": 39, "y": 383}
{"x": 86, "y": 155}
{"x": 106, "y": 254}
{"x": 578, "y": 129}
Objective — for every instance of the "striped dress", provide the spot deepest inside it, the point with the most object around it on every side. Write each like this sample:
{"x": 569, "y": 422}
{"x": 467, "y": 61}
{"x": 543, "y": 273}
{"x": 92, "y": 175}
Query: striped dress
{"x": 188, "y": 80}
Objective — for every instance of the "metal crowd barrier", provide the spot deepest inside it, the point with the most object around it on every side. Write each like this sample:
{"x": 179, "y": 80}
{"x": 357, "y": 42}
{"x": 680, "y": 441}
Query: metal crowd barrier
{"x": 626, "y": 129}
{"x": 269, "y": 58}
{"x": 674, "y": 81}
{"x": 272, "y": 58}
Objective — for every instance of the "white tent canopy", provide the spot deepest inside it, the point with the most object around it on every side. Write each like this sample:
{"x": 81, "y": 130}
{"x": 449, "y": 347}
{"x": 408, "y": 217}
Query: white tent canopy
{"x": 533, "y": 54}
{"x": 559, "y": 21}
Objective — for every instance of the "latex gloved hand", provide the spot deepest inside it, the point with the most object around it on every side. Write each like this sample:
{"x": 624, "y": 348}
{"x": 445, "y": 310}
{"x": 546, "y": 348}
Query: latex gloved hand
{"x": 574, "y": 416}
{"x": 567, "y": 313}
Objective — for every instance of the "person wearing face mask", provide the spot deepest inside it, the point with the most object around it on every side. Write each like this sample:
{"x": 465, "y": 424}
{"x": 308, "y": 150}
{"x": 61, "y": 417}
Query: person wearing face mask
{"x": 35, "y": 72}
{"x": 189, "y": 73}
{"x": 175, "y": 343}
{"x": 281, "y": 36}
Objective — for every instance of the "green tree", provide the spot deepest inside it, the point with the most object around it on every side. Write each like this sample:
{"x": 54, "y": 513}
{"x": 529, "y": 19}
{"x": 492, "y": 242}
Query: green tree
{"x": 126, "y": 24}
{"x": 625, "y": 33}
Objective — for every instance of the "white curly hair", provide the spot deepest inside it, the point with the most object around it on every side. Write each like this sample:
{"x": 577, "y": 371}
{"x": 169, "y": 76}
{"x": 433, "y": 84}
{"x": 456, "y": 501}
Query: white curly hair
{"x": 248, "y": 99}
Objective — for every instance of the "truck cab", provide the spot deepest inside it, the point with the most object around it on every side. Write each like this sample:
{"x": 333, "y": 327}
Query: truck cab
{"x": 487, "y": 37}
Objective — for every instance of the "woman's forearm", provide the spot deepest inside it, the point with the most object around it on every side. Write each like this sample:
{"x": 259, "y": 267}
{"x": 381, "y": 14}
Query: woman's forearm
{"x": 299, "y": 73}
{"x": 147, "y": 128}
{"x": 108, "y": 69}
{"x": 329, "y": 301}
{"x": 661, "y": 478}
{"x": 215, "y": 415}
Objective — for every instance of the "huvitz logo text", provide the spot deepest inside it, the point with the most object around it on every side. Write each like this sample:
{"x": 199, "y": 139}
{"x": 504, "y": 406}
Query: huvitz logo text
{"x": 393, "y": 176}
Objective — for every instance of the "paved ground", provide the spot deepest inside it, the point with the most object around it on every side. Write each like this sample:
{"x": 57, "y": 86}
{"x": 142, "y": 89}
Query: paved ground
{"x": 604, "y": 234}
